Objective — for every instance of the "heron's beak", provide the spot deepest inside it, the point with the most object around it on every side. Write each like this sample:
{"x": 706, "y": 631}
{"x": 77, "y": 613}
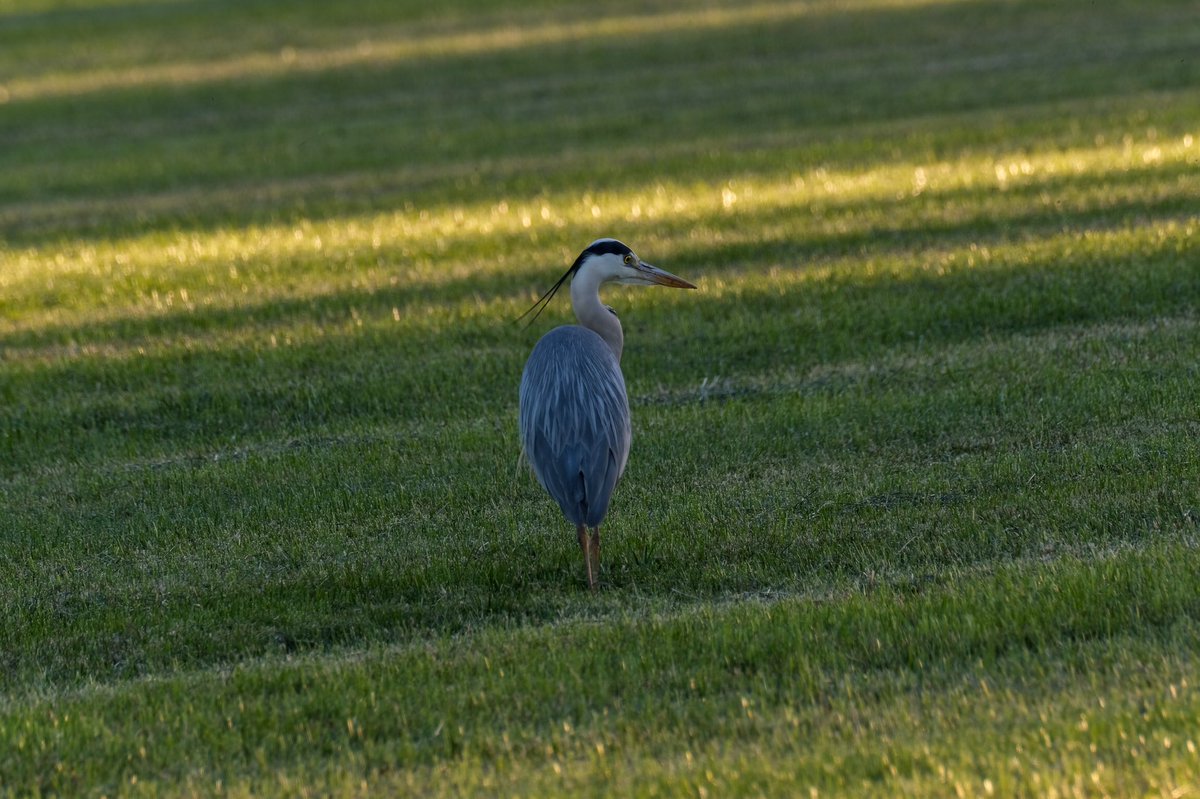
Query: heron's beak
{"x": 657, "y": 277}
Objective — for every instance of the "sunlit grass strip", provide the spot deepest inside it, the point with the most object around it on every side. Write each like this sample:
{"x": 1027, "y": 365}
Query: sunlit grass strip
{"x": 426, "y": 248}
{"x": 407, "y": 47}
{"x": 628, "y": 163}
{"x": 1083, "y": 739}
{"x": 675, "y": 201}
{"x": 381, "y": 302}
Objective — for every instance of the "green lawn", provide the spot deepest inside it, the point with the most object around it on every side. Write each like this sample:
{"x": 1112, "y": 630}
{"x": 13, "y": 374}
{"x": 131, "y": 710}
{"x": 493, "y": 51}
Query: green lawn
{"x": 913, "y": 506}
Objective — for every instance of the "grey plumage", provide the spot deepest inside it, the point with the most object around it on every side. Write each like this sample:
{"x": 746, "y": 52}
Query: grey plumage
{"x": 574, "y": 421}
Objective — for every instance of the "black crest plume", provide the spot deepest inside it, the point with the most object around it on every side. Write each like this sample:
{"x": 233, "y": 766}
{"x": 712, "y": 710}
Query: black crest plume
{"x": 544, "y": 300}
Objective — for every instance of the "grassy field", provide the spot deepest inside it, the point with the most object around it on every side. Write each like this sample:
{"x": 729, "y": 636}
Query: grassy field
{"x": 913, "y": 506}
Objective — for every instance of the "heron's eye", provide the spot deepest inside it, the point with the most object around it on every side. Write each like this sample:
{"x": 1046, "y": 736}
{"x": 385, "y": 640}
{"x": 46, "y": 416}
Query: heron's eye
{"x": 629, "y": 260}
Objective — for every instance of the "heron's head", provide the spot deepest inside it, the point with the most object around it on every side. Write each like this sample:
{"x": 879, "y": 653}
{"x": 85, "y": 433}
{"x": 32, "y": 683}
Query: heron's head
{"x": 613, "y": 262}
{"x": 610, "y": 261}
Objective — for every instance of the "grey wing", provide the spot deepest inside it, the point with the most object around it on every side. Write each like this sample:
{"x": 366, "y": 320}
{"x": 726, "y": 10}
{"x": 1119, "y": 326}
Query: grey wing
{"x": 574, "y": 420}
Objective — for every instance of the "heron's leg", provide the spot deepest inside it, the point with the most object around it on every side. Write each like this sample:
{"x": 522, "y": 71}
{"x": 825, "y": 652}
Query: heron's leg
{"x": 596, "y": 548}
{"x": 585, "y": 545}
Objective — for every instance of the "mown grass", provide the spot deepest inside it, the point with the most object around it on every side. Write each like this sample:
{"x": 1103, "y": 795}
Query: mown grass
{"x": 913, "y": 501}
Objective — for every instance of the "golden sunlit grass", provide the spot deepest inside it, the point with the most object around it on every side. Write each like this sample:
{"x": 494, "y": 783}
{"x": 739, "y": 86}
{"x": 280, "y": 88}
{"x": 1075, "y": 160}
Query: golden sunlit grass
{"x": 911, "y": 508}
{"x": 418, "y": 250}
{"x": 202, "y": 288}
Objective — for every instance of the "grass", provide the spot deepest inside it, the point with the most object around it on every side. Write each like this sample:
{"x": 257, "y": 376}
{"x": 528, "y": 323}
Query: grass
{"x": 912, "y": 506}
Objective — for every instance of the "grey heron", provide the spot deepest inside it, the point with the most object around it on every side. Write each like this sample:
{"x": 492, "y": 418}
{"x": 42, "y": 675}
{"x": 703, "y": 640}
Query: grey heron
{"x": 574, "y": 412}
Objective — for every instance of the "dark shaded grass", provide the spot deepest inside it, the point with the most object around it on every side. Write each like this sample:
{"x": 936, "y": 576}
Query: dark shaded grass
{"x": 330, "y": 542}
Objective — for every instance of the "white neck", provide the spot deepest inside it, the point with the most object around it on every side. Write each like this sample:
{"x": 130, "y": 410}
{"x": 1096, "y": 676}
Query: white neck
{"x": 591, "y": 313}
